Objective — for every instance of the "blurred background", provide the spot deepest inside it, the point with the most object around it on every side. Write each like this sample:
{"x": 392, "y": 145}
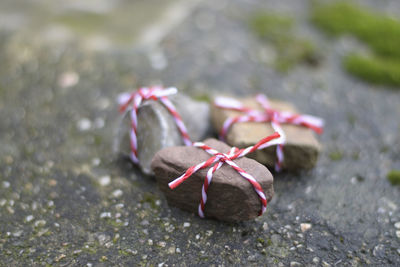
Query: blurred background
{"x": 98, "y": 24}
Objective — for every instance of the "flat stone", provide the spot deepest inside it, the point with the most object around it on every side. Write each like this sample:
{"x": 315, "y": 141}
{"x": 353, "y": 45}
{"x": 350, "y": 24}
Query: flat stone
{"x": 230, "y": 196}
{"x": 157, "y": 128}
{"x": 300, "y": 151}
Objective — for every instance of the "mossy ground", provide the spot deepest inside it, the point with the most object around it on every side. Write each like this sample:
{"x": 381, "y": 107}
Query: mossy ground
{"x": 380, "y": 32}
{"x": 394, "y": 177}
{"x": 374, "y": 69}
{"x": 278, "y": 30}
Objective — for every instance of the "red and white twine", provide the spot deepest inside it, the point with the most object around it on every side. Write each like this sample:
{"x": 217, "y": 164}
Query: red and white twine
{"x": 221, "y": 158}
{"x": 132, "y": 101}
{"x": 275, "y": 117}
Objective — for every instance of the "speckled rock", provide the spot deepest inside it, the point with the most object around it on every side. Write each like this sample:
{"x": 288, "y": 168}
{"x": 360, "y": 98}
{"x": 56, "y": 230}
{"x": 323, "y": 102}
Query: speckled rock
{"x": 300, "y": 151}
{"x": 230, "y": 196}
{"x": 157, "y": 128}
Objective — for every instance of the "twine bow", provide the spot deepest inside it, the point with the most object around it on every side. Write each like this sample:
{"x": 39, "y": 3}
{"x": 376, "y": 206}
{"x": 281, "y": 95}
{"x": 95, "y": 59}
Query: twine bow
{"x": 219, "y": 159}
{"x": 268, "y": 114}
{"x": 132, "y": 101}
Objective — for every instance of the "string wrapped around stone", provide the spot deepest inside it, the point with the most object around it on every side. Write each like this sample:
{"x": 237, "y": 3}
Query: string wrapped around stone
{"x": 219, "y": 159}
{"x": 132, "y": 101}
{"x": 275, "y": 117}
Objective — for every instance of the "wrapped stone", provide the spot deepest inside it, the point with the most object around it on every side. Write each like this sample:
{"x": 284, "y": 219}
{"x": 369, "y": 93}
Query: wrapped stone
{"x": 300, "y": 150}
{"x": 230, "y": 196}
{"x": 157, "y": 129}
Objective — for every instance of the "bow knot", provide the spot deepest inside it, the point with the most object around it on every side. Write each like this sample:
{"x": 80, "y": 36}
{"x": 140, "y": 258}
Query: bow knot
{"x": 132, "y": 101}
{"x": 216, "y": 162}
{"x": 268, "y": 114}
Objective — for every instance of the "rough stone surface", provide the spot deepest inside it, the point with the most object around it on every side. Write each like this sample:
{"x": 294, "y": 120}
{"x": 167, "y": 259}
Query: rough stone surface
{"x": 230, "y": 196}
{"x": 301, "y": 149}
{"x": 157, "y": 128}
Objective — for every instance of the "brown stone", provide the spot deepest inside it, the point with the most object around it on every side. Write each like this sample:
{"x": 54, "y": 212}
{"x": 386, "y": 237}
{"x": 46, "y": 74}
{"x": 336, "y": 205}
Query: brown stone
{"x": 300, "y": 151}
{"x": 230, "y": 196}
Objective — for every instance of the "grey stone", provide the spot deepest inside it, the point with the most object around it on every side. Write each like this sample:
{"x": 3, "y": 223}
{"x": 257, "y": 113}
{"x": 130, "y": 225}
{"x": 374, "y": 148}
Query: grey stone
{"x": 157, "y": 128}
{"x": 230, "y": 196}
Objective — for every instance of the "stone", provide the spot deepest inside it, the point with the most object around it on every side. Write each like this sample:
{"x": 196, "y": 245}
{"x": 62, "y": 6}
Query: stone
{"x": 157, "y": 128}
{"x": 300, "y": 151}
{"x": 305, "y": 227}
{"x": 230, "y": 197}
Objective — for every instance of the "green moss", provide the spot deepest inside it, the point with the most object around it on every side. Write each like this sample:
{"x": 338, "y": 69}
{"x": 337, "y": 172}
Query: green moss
{"x": 394, "y": 177}
{"x": 83, "y": 22}
{"x": 380, "y": 32}
{"x": 203, "y": 98}
{"x": 294, "y": 52}
{"x": 116, "y": 224}
{"x": 269, "y": 26}
{"x": 374, "y": 69}
{"x": 261, "y": 240}
{"x": 336, "y": 155}
{"x": 151, "y": 199}
{"x": 278, "y": 30}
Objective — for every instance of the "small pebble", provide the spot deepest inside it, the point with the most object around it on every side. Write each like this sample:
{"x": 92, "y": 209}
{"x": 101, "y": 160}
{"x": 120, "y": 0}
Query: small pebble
{"x": 96, "y": 161}
{"x": 105, "y": 215}
{"x": 186, "y": 224}
{"x": 117, "y": 193}
{"x": 84, "y": 124}
{"x": 150, "y": 242}
{"x": 265, "y": 226}
{"x": 40, "y": 223}
{"x": 62, "y": 256}
{"x": 397, "y": 225}
{"x": 398, "y": 233}
{"x": 119, "y": 206}
{"x": 171, "y": 250}
{"x": 133, "y": 252}
{"x": 105, "y": 180}
{"x": 305, "y": 227}
{"x": 209, "y": 233}
{"x": 29, "y": 218}
{"x": 178, "y": 250}
{"x": 6, "y": 184}
{"x": 42, "y": 232}
{"x": 68, "y": 79}
{"x": 17, "y": 233}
